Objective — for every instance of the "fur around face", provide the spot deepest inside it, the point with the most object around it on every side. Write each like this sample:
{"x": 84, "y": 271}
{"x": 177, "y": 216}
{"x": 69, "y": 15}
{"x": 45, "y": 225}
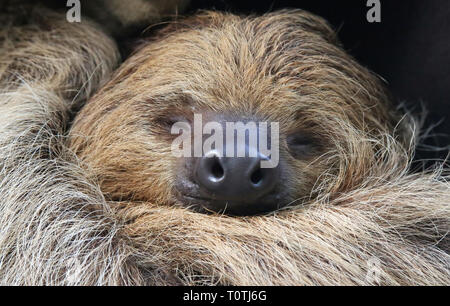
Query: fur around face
{"x": 56, "y": 227}
{"x": 284, "y": 67}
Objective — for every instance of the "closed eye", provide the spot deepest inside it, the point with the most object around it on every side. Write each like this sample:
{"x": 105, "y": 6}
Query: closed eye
{"x": 167, "y": 122}
{"x": 301, "y": 146}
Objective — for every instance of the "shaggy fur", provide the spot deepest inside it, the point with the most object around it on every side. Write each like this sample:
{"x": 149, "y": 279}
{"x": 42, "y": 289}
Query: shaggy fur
{"x": 58, "y": 228}
{"x": 285, "y": 67}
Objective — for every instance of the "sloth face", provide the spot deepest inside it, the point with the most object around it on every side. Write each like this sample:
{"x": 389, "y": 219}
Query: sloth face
{"x": 283, "y": 70}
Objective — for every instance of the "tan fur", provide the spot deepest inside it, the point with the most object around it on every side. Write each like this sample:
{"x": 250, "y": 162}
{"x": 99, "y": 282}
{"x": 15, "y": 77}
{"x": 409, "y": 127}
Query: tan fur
{"x": 285, "y": 67}
{"x": 58, "y": 228}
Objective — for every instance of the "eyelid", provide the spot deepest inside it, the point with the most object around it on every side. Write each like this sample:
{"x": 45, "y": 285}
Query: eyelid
{"x": 169, "y": 121}
{"x": 301, "y": 146}
{"x": 299, "y": 140}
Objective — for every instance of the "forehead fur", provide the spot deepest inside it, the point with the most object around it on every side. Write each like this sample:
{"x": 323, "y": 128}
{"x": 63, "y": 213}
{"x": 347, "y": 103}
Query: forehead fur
{"x": 285, "y": 66}
{"x": 282, "y": 65}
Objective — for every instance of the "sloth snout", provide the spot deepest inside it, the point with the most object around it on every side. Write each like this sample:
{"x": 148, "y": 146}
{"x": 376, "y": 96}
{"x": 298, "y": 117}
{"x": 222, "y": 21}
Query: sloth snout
{"x": 238, "y": 175}
{"x": 241, "y": 182}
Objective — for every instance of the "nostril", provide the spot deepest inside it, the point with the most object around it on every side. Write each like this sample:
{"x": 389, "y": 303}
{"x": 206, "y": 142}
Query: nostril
{"x": 256, "y": 176}
{"x": 217, "y": 169}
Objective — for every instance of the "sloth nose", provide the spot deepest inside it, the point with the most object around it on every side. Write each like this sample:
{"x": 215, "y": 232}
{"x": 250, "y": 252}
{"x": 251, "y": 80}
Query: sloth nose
{"x": 235, "y": 184}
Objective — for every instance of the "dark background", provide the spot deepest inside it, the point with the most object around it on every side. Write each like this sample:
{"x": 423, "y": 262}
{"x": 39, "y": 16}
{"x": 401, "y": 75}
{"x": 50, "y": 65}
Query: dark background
{"x": 410, "y": 49}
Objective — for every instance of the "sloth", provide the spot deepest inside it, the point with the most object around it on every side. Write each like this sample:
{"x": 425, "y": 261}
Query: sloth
{"x": 96, "y": 197}
{"x": 285, "y": 67}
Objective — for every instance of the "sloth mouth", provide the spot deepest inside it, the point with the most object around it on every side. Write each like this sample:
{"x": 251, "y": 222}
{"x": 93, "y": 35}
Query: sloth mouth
{"x": 228, "y": 207}
{"x": 199, "y": 204}
{"x": 197, "y": 197}
{"x": 188, "y": 194}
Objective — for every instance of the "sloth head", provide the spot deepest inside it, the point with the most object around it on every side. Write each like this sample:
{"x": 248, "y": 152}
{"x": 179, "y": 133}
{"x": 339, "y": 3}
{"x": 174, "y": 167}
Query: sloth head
{"x": 284, "y": 69}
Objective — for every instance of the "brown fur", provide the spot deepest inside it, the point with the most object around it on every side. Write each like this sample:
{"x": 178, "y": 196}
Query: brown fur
{"x": 285, "y": 67}
{"x": 58, "y": 228}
